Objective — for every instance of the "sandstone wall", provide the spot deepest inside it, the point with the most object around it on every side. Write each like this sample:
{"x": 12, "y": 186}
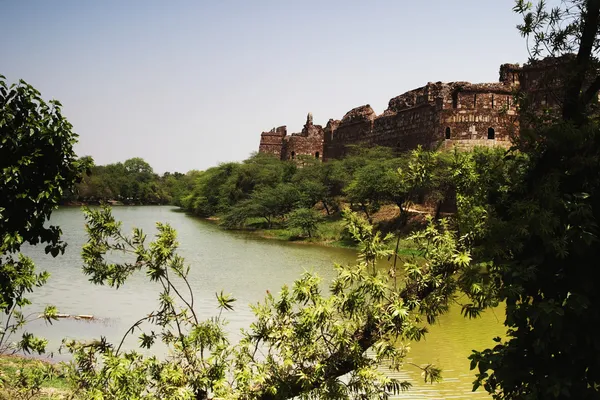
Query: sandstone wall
{"x": 330, "y": 148}
{"x": 310, "y": 145}
{"x": 355, "y": 128}
{"x": 309, "y": 142}
{"x": 407, "y": 129}
{"x": 475, "y": 124}
{"x": 451, "y": 114}
{"x": 271, "y": 142}
{"x": 469, "y": 144}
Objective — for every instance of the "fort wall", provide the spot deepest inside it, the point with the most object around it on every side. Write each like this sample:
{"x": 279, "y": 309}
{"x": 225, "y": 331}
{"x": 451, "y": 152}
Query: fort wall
{"x": 437, "y": 115}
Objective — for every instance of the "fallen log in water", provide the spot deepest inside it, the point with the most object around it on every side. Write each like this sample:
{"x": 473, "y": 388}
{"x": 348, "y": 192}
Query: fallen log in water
{"x": 81, "y": 316}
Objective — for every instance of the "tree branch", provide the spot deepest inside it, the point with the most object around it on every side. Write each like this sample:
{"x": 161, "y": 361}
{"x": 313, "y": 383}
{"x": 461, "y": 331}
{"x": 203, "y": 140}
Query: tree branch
{"x": 338, "y": 364}
{"x": 591, "y": 91}
{"x": 573, "y": 104}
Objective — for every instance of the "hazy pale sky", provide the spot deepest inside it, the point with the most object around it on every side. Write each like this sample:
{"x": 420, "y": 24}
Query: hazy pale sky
{"x": 188, "y": 84}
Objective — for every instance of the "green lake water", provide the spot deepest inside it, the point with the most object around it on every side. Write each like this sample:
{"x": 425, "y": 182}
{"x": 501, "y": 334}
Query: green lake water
{"x": 245, "y": 266}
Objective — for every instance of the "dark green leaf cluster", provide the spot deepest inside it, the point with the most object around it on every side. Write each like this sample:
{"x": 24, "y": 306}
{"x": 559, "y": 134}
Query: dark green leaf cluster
{"x": 543, "y": 243}
{"x": 37, "y": 167}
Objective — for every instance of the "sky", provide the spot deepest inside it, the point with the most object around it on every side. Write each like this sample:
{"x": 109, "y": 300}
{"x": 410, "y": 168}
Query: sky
{"x": 190, "y": 84}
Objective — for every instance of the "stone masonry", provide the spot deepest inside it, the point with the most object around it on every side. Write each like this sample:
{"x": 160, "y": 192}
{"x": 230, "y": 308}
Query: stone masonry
{"x": 456, "y": 114}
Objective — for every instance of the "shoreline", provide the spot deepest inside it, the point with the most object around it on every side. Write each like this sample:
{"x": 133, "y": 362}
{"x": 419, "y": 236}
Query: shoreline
{"x": 270, "y": 234}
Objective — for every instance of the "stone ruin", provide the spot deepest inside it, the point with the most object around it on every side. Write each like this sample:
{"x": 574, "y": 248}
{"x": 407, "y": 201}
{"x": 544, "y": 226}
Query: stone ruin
{"x": 451, "y": 114}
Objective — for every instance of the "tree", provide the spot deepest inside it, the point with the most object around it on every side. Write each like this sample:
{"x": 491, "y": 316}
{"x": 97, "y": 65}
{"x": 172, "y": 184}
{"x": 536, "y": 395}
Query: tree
{"x": 303, "y": 342}
{"x": 275, "y": 202}
{"x": 570, "y": 27}
{"x": 37, "y": 167}
{"x": 259, "y": 170}
{"x": 370, "y": 186}
{"x": 207, "y": 197}
{"x": 304, "y": 219}
{"x": 542, "y": 252}
{"x": 541, "y": 234}
{"x": 137, "y": 166}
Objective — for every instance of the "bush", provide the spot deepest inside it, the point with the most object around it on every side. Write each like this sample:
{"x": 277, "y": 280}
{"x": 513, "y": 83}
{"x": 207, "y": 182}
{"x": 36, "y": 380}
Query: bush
{"x": 305, "y": 220}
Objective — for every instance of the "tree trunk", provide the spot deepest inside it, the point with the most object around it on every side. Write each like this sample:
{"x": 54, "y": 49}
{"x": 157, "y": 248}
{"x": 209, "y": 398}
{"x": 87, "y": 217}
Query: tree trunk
{"x": 574, "y": 103}
{"x": 365, "y": 210}
{"x": 438, "y": 209}
{"x": 325, "y": 207}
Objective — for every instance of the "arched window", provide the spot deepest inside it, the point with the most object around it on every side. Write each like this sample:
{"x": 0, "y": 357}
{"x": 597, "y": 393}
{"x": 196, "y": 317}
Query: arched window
{"x": 293, "y": 155}
{"x": 491, "y": 133}
{"x": 447, "y": 132}
{"x": 317, "y": 155}
{"x": 455, "y": 100}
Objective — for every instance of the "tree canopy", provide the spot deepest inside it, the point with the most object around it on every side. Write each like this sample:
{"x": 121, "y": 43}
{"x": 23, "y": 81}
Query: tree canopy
{"x": 37, "y": 167}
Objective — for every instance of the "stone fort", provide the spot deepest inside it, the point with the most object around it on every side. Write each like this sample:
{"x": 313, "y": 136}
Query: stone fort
{"x": 436, "y": 115}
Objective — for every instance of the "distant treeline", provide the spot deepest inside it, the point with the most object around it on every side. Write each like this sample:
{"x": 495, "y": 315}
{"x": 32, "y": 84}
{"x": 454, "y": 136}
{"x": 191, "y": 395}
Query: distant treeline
{"x": 131, "y": 182}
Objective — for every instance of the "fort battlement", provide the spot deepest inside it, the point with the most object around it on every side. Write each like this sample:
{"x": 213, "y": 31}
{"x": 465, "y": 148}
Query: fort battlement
{"x": 450, "y": 114}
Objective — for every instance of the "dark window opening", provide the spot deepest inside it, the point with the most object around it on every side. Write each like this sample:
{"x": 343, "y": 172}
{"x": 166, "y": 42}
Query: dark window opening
{"x": 474, "y": 101}
{"x": 293, "y": 155}
{"x": 317, "y": 155}
{"x": 448, "y": 132}
{"x": 491, "y": 133}
{"x": 492, "y": 101}
{"x": 454, "y": 100}
{"x": 507, "y": 101}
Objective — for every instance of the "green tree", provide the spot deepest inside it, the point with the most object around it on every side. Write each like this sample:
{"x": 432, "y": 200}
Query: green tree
{"x": 136, "y": 166}
{"x": 570, "y": 27}
{"x": 541, "y": 235}
{"x": 302, "y": 343}
{"x": 259, "y": 170}
{"x": 271, "y": 203}
{"x": 309, "y": 181}
{"x": 369, "y": 187}
{"x": 37, "y": 167}
{"x": 542, "y": 251}
{"x": 304, "y": 219}
{"x": 206, "y": 198}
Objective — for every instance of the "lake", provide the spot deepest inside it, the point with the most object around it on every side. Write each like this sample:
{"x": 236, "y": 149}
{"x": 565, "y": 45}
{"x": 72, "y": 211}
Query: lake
{"x": 243, "y": 265}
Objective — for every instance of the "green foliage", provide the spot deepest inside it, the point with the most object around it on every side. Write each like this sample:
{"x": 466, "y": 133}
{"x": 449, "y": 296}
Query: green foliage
{"x": 538, "y": 243}
{"x": 132, "y": 182}
{"x": 562, "y": 25}
{"x": 568, "y": 31}
{"x": 265, "y": 187}
{"x": 266, "y": 202}
{"x": 304, "y": 219}
{"x": 367, "y": 189}
{"x": 543, "y": 240}
{"x": 37, "y": 167}
{"x": 26, "y": 379}
{"x": 304, "y": 342}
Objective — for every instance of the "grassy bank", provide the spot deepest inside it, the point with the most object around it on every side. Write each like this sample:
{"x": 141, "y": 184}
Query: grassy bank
{"x": 331, "y": 230}
{"x": 17, "y": 372}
